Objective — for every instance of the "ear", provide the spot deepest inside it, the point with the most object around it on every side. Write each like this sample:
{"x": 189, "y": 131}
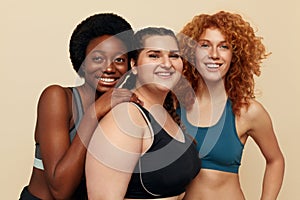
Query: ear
{"x": 81, "y": 70}
{"x": 83, "y": 66}
{"x": 133, "y": 66}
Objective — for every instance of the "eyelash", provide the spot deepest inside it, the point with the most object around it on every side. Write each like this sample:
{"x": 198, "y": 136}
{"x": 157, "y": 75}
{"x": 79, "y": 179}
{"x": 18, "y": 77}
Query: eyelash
{"x": 220, "y": 46}
{"x": 157, "y": 56}
{"x": 99, "y": 59}
{"x": 153, "y": 55}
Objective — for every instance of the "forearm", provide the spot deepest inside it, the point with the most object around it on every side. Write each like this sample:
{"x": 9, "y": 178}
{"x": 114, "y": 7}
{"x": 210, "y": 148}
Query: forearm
{"x": 68, "y": 172}
{"x": 70, "y": 169}
{"x": 273, "y": 179}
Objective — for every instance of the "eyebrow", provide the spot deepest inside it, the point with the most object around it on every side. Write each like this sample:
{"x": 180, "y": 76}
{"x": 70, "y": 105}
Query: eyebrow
{"x": 104, "y": 52}
{"x": 206, "y": 40}
{"x": 159, "y": 51}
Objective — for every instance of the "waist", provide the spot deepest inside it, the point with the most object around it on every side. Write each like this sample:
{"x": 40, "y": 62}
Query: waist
{"x": 212, "y": 184}
{"x": 214, "y": 179}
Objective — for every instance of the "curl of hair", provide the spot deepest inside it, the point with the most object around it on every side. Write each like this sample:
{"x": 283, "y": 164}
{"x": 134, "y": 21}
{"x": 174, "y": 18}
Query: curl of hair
{"x": 248, "y": 52}
{"x": 95, "y": 26}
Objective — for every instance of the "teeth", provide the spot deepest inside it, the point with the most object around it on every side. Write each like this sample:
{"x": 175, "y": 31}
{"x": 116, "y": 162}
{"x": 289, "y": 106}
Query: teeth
{"x": 109, "y": 80}
{"x": 164, "y": 73}
{"x": 212, "y": 65}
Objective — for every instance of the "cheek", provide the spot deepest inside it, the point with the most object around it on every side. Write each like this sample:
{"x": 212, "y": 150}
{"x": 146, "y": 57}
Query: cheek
{"x": 143, "y": 73}
{"x": 228, "y": 56}
{"x": 90, "y": 67}
{"x": 178, "y": 66}
{"x": 122, "y": 69}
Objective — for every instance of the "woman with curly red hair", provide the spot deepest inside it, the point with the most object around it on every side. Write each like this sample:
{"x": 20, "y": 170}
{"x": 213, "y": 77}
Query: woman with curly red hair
{"x": 222, "y": 54}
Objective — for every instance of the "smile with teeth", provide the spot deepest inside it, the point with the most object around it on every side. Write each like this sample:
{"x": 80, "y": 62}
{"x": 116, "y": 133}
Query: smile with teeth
{"x": 164, "y": 73}
{"x": 213, "y": 65}
{"x": 108, "y": 80}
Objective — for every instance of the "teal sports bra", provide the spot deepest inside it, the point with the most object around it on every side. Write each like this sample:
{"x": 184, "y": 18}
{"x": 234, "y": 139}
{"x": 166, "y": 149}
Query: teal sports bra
{"x": 219, "y": 146}
{"x": 38, "y": 162}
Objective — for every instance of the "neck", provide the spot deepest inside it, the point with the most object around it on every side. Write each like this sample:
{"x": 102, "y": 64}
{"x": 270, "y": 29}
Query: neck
{"x": 212, "y": 91}
{"x": 149, "y": 98}
{"x": 210, "y": 102}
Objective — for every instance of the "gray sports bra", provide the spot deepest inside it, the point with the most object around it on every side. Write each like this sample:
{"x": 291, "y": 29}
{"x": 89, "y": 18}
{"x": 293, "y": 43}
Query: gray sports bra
{"x": 38, "y": 162}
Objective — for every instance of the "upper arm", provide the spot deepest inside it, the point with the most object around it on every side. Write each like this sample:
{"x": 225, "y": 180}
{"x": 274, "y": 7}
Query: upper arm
{"x": 262, "y": 131}
{"x": 52, "y": 130}
{"x": 113, "y": 152}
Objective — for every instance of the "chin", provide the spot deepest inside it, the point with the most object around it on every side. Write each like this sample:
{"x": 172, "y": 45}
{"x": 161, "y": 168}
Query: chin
{"x": 103, "y": 89}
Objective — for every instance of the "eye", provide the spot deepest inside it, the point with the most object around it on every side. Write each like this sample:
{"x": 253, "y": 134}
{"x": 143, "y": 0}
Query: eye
{"x": 174, "y": 55}
{"x": 153, "y": 55}
{"x": 224, "y": 46}
{"x": 98, "y": 59}
{"x": 120, "y": 60}
{"x": 203, "y": 45}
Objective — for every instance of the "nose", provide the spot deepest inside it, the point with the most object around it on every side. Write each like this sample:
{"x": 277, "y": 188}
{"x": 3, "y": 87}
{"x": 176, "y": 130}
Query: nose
{"x": 166, "y": 63}
{"x": 214, "y": 54}
{"x": 110, "y": 67}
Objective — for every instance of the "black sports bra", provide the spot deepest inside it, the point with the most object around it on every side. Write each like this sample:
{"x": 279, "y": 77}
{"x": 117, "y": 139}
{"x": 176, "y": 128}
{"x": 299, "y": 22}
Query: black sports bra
{"x": 166, "y": 168}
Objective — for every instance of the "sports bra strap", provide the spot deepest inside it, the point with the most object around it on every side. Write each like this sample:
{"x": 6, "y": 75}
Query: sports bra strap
{"x": 79, "y": 109}
{"x": 152, "y": 135}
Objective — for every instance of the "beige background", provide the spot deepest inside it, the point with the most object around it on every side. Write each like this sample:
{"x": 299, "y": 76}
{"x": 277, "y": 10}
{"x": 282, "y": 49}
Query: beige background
{"x": 34, "y": 53}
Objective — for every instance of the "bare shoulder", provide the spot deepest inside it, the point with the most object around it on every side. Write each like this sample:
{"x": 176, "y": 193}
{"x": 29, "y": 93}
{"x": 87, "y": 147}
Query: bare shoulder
{"x": 55, "y": 99}
{"x": 123, "y": 127}
{"x": 254, "y": 111}
{"x": 55, "y": 94}
{"x": 127, "y": 113}
{"x": 55, "y": 90}
{"x": 256, "y": 117}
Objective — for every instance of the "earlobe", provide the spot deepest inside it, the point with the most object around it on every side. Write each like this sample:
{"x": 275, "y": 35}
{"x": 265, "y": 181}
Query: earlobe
{"x": 81, "y": 70}
{"x": 82, "y": 66}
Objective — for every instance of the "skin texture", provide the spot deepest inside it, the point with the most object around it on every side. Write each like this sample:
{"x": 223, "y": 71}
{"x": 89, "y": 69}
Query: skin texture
{"x": 213, "y": 60}
{"x": 106, "y": 61}
{"x": 157, "y": 68}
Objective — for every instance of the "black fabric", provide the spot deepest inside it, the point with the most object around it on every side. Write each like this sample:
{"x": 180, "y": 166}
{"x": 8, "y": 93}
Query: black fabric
{"x": 79, "y": 194}
{"x": 166, "y": 168}
{"x": 81, "y": 191}
{"x": 26, "y": 195}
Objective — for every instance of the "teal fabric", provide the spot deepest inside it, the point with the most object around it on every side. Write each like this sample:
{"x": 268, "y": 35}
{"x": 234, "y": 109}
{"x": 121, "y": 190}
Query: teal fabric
{"x": 219, "y": 146}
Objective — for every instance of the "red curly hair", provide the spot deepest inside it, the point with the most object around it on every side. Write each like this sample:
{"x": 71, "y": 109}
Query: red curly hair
{"x": 247, "y": 54}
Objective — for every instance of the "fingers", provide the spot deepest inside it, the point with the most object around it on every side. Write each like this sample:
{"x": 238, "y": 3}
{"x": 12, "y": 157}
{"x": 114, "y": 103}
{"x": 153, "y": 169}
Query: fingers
{"x": 134, "y": 98}
{"x": 120, "y": 95}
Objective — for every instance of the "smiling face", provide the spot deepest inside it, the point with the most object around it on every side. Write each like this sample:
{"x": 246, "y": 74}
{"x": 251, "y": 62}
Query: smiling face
{"x": 105, "y": 63}
{"x": 213, "y": 55}
{"x": 159, "y": 64}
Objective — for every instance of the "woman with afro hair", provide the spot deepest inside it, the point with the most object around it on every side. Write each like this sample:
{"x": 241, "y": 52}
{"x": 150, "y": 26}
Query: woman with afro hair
{"x": 67, "y": 116}
{"x": 222, "y": 54}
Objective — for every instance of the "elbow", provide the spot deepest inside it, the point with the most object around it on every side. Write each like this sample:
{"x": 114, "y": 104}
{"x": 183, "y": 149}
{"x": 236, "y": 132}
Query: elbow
{"x": 277, "y": 163}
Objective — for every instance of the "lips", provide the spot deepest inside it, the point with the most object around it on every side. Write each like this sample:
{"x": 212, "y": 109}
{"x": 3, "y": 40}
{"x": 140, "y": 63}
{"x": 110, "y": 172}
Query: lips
{"x": 164, "y": 74}
{"x": 109, "y": 81}
{"x": 213, "y": 65}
